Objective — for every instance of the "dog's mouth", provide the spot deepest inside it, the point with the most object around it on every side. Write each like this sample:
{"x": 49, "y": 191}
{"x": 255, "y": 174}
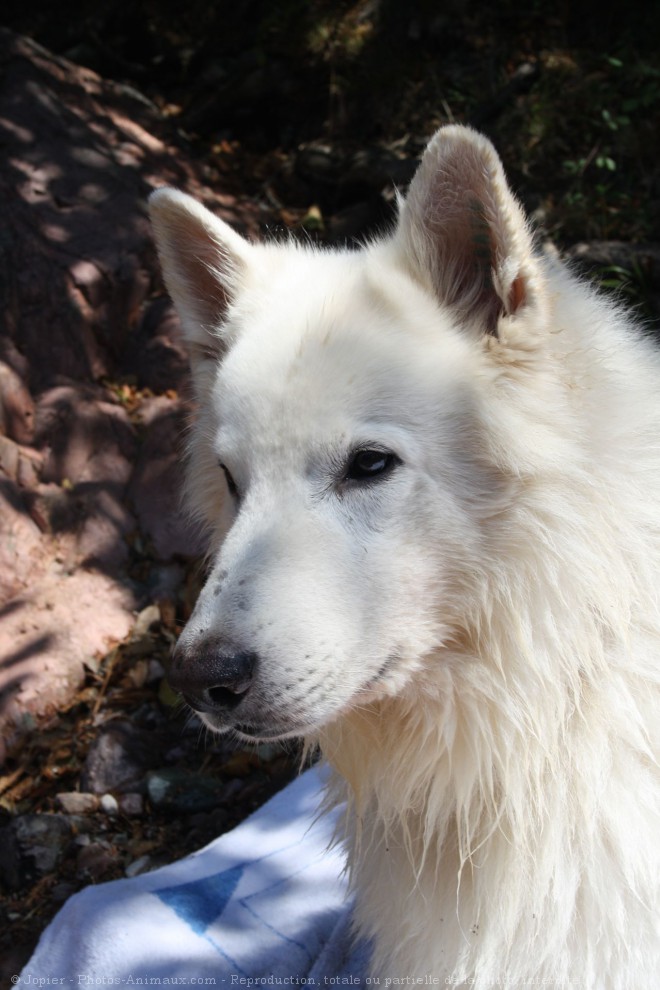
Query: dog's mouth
{"x": 245, "y": 732}
{"x": 272, "y": 726}
{"x": 251, "y": 734}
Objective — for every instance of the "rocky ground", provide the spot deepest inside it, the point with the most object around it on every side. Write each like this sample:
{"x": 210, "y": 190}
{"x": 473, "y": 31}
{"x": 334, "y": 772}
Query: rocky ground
{"x": 102, "y": 774}
{"x": 118, "y": 781}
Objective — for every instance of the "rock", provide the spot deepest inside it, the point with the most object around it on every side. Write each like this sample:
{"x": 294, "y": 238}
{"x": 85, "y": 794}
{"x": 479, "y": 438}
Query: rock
{"x": 77, "y": 802}
{"x": 49, "y": 633}
{"x": 109, "y": 804}
{"x": 119, "y": 757}
{"x": 22, "y": 555}
{"x": 19, "y": 464}
{"x": 31, "y": 846}
{"x": 94, "y": 860}
{"x": 89, "y": 522}
{"x": 8, "y": 458}
{"x": 85, "y": 438}
{"x": 140, "y": 865}
{"x": 88, "y": 444}
{"x": 148, "y": 619}
{"x": 160, "y": 357}
{"x": 131, "y": 804}
{"x": 179, "y": 791}
{"x": 104, "y": 524}
{"x": 16, "y": 406}
{"x": 155, "y": 487}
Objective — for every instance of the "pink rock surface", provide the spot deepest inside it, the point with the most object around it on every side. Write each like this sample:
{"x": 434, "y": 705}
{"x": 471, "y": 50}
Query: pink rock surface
{"x": 47, "y": 635}
{"x": 154, "y": 487}
{"x": 84, "y": 472}
{"x": 21, "y": 547}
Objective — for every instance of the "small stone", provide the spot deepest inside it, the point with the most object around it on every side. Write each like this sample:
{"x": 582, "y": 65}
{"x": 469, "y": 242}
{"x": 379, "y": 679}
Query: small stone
{"x": 268, "y": 752}
{"x": 77, "y": 802}
{"x": 131, "y": 804}
{"x": 149, "y": 617}
{"x": 176, "y": 790}
{"x": 155, "y": 671}
{"x": 118, "y": 758}
{"x": 139, "y": 865}
{"x": 137, "y": 675}
{"x": 94, "y": 860}
{"x": 109, "y": 804}
{"x": 31, "y": 846}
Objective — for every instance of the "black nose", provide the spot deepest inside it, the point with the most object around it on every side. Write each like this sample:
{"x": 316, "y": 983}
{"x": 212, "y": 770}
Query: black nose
{"x": 211, "y": 676}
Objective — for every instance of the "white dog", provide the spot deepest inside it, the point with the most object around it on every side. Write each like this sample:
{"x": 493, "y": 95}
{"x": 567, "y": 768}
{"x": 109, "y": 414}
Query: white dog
{"x": 430, "y": 472}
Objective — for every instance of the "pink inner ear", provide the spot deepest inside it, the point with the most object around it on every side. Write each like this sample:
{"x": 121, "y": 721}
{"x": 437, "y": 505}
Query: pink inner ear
{"x": 192, "y": 259}
{"x": 208, "y": 294}
{"x": 517, "y": 294}
{"x": 464, "y": 230}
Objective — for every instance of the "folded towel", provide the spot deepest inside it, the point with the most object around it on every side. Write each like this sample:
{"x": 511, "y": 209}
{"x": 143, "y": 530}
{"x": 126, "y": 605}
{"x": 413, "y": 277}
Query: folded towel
{"x": 265, "y": 904}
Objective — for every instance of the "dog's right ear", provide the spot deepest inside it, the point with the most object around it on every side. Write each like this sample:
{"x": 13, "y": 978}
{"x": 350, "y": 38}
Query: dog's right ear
{"x": 466, "y": 237}
{"x": 203, "y": 261}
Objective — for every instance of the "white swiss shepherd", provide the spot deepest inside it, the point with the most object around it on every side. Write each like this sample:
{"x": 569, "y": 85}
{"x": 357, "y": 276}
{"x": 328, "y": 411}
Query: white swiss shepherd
{"x": 430, "y": 473}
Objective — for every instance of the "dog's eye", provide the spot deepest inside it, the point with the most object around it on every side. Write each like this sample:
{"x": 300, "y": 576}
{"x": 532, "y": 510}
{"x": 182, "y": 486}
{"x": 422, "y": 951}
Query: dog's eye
{"x": 367, "y": 465}
{"x": 231, "y": 484}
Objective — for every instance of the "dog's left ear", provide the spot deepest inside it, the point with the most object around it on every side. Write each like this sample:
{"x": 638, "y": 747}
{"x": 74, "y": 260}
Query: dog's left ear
{"x": 203, "y": 261}
{"x": 466, "y": 236}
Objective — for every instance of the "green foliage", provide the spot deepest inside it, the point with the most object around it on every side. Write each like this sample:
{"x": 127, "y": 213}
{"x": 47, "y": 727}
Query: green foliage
{"x": 592, "y": 143}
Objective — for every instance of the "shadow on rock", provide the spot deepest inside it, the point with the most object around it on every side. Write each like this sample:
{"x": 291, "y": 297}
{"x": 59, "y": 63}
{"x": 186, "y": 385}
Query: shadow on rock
{"x": 91, "y": 368}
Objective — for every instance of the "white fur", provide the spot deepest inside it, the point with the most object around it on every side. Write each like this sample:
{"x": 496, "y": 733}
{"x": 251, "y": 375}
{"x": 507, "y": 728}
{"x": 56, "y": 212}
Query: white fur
{"x": 473, "y": 638}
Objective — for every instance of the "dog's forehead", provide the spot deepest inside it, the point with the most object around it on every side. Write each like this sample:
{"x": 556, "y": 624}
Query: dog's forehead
{"x": 327, "y": 340}
{"x": 299, "y": 392}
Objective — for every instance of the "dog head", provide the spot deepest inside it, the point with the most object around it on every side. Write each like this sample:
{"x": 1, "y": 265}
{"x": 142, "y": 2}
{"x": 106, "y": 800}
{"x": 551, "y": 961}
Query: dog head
{"x": 340, "y": 460}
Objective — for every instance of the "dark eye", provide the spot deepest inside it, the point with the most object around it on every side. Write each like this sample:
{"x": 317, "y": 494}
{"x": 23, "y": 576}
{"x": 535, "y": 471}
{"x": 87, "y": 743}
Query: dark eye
{"x": 368, "y": 465}
{"x": 231, "y": 484}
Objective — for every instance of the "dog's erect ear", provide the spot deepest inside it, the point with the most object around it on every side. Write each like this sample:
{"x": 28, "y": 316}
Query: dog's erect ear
{"x": 466, "y": 234}
{"x": 202, "y": 260}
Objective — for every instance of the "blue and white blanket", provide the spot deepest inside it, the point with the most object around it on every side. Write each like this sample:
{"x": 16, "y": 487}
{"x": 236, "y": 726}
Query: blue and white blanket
{"x": 265, "y": 904}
